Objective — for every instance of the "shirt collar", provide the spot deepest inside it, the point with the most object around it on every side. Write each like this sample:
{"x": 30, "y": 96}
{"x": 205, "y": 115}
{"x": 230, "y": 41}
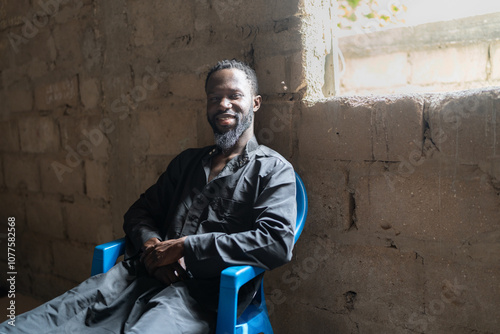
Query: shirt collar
{"x": 251, "y": 146}
{"x": 243, "y": 158}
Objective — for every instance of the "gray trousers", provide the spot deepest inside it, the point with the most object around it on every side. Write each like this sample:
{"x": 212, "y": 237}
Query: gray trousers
{"x": 123, "y": 300}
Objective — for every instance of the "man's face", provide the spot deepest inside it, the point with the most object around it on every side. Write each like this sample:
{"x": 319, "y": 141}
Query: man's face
{"x": 230, "y": 106}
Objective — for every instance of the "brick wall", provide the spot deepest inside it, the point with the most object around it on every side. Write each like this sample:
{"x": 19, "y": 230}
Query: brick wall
{"x": 402, "y": 232}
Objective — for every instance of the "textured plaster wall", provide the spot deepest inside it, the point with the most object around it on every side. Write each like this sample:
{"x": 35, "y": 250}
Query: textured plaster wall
{"x": 97, "y": 97}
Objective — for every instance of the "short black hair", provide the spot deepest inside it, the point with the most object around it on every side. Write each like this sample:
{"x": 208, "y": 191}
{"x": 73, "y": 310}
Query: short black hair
{"x": 237, "y": 64}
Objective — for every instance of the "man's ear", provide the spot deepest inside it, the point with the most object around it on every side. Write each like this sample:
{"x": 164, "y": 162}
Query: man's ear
{"x": 257, "y": 100}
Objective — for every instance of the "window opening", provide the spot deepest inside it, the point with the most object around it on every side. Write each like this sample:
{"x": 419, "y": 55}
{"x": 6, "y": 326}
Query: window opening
{"x": 408, "y": 46}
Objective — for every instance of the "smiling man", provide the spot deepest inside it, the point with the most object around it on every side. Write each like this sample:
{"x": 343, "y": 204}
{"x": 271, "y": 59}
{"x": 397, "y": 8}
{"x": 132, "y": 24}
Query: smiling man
{"x": 232, "y": 100}
{"x": 232, "y": 203}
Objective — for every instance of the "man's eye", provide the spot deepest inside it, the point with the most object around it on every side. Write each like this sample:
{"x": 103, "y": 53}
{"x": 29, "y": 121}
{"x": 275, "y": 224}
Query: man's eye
{"x": 213, "y": 99}
{"x": 236, "y": 96}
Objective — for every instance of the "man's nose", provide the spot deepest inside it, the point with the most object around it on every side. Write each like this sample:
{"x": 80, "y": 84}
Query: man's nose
{"x": 225, "y": 102}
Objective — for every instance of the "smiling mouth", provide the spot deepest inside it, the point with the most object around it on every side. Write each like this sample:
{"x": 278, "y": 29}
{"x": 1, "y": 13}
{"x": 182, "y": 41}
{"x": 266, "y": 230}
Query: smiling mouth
{"x": 224, "y": 116}
{"x": 225, "y": 119}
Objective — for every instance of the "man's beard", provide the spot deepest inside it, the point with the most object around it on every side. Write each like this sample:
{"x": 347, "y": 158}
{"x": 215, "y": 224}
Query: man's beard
{"x": 227, "y": 140}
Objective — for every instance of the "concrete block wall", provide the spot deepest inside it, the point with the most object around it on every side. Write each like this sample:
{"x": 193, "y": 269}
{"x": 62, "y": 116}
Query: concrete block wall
{"x": 403, "y": 229}
{"x": 402, "y": 232}
{"x": 54, "y": 180}
{"x": 434, "y": 57}
{"x": 98, "y": 98}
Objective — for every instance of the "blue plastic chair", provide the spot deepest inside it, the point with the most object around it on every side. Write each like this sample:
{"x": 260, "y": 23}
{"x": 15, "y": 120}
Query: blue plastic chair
{"x": 255, "y": 319}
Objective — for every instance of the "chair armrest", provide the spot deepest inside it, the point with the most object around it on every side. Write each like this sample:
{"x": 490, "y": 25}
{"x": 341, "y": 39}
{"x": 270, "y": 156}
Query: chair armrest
{"x": 232, "y": 279}
{"x": 105, "y": 256}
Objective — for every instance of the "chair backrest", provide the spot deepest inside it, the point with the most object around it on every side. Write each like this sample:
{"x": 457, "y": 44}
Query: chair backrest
{"x": 301, "y": 197}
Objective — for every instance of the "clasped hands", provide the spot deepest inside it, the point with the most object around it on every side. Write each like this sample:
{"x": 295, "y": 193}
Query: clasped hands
{"x": 164, "y": 260}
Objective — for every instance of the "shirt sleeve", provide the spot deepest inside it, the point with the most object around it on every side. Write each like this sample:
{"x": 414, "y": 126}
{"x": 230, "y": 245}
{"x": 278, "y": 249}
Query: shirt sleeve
{"x": 268, "y": 245}
{"x": 141, "y": 221}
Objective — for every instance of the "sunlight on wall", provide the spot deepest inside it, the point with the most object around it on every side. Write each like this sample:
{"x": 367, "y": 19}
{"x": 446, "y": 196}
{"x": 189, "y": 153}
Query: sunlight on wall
{"x": 425, "y": 11}
{"x": 418, "y": 12}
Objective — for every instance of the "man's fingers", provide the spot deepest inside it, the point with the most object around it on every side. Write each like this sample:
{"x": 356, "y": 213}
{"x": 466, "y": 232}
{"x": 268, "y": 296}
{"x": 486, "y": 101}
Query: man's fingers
{"x": 162, "y": 253}
{"x": 150, "y": 243}
{"x": 147, "y": 251}
{"x": 168, "y": 274}
{"x": 180, "y": 271}
{"x": 171, "y": 275}
{"x": 153, "y": 258}
{"x": 150, "y": 264}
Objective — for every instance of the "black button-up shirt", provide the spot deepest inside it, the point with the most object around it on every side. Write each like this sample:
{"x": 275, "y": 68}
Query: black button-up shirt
{"x": 244, "y": 216}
